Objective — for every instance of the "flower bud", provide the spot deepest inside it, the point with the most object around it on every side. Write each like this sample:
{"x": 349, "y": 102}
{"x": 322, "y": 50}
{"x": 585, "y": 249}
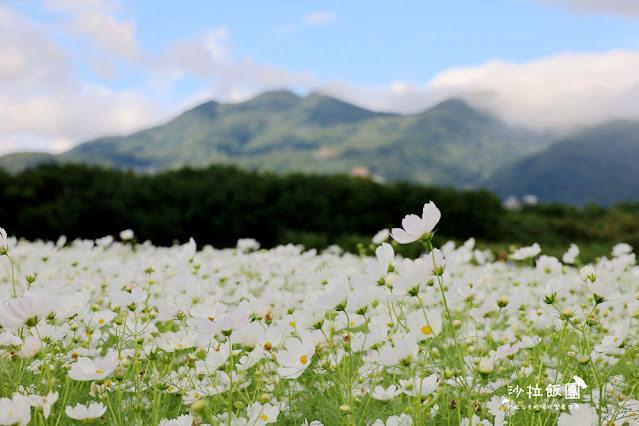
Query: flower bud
{"x": 199, "y": 406}
{"x": 584, "y": 359}
{"x": 503, "y": 301}
{"x": 345, "y": 409}
{"x": 485, "y": 366}
{"x": 588, "y": 273}
{"x": 567, "y": 314}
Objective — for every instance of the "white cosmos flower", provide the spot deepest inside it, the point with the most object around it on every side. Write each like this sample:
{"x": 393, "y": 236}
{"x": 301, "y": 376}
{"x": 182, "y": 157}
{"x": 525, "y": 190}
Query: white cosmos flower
{"x": 31, "y": 347}
{"x": 500, "y": 407}
{"x": 620, "y": 331}
{"x": 571, "y": 255}
{"x": 588, "y": 273}
{"x": 33, "y": 305}
{"x": 412, "y": 274}
{"x": 43, "y": 403}
{"x": 88, "y": 369}
{"x": 260, "y": 415}
{"x": 15, "y": 411}
{"x": 382, "y": 394}
{"x": 415, "y": 227}
{"x": 401, "y": 420}
{"x": 381, "y": 236}
{"x": 424, "y": 325}
{"x": 421, "y": 387}
{"x": 621, "y": 249}
{"x": 475, "y": 421}
{"x": 183, "y": 420}
{"x": 216, "y": 358}
{"x": 83, "y": 412}
{"x": 334, "y": 292}
{"x": 403, "y": 349}
{"x": 602, "y": 291}
{"x": 127, "y": 234}
{"x": 580, "y": 414}
{"x": 378, "y": 269}
{"x": 526, "y": 252}
{"x": 7, "y": 338}
{"x": 4, "y": 245}
{"x": 297, "y": 357}
{"x": 171, "y": 342}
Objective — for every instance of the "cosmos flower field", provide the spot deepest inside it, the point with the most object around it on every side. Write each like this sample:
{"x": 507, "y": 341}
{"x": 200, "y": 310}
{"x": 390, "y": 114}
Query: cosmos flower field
{"x": 118, "y": 332}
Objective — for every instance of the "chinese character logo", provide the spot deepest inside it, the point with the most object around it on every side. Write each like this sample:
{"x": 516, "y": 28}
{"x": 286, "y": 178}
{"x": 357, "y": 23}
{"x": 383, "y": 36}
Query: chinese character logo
{"x": 573, "y": 390}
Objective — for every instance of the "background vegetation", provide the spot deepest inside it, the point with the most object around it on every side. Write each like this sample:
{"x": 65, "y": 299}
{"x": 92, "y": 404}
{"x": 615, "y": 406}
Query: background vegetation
{"x": 220, "y": 204}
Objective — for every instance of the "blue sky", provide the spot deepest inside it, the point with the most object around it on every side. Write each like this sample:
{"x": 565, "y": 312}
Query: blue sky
{"x": 71, "y": 70}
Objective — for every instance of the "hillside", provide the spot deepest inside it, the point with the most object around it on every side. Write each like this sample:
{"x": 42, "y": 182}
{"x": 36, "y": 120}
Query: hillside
{"x": 449, "y": 144}
{"x": 597, "y": 165}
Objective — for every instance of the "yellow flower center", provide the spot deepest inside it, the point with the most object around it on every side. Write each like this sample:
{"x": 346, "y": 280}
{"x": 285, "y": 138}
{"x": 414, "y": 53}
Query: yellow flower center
{"x": 99, "y": 371}
{"x": 9, "y": 413}
{"x": 292, "y": 323}
{"x": 197, "y": 395}
{"x": 263, "y": 417}
{"x": 268, "y": 346}
{"x": 303, "y": 359}
{"x": 211, "y": 319}
{"x": 101, "y": 320}
{"x": 352, "y": 324}
{"x": 616, "y": 338}
{"x": 427, "y": 330}
{"x": 180, "y": 345}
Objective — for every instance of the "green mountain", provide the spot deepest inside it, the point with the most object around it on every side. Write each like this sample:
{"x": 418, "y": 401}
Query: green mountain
{"x": 597, "y": 165}
{"x": 17, "y": 161}
{"x": 449, "y": 144}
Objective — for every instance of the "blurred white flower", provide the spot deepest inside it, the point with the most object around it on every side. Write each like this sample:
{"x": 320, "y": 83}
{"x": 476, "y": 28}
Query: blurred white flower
{"x": 31, "y": 347}
{"x": 580, "y": 414}
{"x": 619, "y": 333}
{"x": 127, "y": 234}
{"x": 4, "y": 245}
{"x": 83, "y": 412}
{"x": 571, "y": 255}
{"x": 15, "y": 411}
{"x": 171, "y": 342}
{"x": 526, "y": 252}
{"x": 621, "y": 249}
{"x": 381, "y": 236}
{"x": 183, "y": 420}
{"x": 420, "y": 386}
{"x": 43, "y": 403}
{"x": 382, "y": 394}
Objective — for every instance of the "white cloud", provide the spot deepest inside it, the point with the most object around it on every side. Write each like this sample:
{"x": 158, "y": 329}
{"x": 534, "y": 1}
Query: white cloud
{"x": 319, "y": 17}
{"x": 557, "y": 92}
{"x": 309, "y": 20}
{"x": 97, "y": 21}
{"x": 560, "y": 91}
{"x": 625, "y": 8}
{"x": 43, "y": 103}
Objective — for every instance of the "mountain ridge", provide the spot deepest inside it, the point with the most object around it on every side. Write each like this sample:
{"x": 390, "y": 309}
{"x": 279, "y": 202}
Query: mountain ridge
{"x": 448, "y": 144}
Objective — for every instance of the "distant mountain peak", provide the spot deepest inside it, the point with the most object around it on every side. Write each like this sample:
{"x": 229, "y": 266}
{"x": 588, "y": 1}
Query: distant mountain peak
{"x": 281, "y": 95}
